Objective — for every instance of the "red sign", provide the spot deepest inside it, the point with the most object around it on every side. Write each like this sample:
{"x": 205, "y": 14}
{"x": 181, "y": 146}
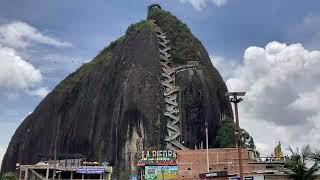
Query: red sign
{"x": 157, "y": 163}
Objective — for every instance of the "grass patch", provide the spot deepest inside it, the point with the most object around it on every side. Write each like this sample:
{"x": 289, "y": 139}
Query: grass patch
{"x": 142, "y": 26}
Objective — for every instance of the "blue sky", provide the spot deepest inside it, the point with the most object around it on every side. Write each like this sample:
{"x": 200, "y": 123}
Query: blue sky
{"x": 56, "y": 37}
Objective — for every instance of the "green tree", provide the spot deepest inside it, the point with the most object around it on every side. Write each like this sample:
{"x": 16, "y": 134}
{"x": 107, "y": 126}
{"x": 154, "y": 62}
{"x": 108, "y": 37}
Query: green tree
{"x": 246, "y": 140}
{"x": 303, "y": 164}
{"x": 102, "y": 152}
{"x": 9, "y": 176}
{"x": 226, "y": 137}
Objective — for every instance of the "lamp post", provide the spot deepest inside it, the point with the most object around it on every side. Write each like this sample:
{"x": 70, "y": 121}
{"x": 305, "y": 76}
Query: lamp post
{"x": 235, "y": 100}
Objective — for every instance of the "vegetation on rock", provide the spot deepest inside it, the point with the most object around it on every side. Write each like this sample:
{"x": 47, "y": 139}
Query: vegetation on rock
{"x": 102, "y": 151}
{"x": 104, "y": 57}
{"x": 144, "y": 26}
{"x": 185, "y": 47}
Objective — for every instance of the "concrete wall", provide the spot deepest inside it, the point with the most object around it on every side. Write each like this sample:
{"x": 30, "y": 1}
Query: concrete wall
{"x": 279, "y": 177}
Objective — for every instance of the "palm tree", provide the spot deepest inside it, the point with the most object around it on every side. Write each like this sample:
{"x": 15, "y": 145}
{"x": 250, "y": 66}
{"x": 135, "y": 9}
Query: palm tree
{"x": 304, "y": 164}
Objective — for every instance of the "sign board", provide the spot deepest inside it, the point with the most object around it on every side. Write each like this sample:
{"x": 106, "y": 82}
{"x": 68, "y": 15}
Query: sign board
{"x": 160, "y": 158}
{"x": 245, "y": 178}
{"x": 161, "y": 172}
{"x": 90, "y": 170}
{"x": 133, "y": 177}
{"x": 213, "y": 174}
{"x": 161, "y": 155}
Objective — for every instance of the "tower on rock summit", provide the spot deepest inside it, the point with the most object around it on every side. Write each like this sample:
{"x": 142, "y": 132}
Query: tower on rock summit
{"x": 153, "y": 7}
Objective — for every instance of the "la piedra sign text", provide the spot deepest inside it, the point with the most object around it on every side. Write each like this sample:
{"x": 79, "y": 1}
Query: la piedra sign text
{"x": 161, "y": 157}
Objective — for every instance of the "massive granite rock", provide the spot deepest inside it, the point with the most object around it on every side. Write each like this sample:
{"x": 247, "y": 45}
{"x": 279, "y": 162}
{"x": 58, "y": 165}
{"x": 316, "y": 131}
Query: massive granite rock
{"x": 113, "y": 107}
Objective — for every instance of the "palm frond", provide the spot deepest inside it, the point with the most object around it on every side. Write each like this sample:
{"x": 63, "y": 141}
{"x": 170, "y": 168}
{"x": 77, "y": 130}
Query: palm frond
{"x": 306, "y": 153}
{"x": 312, "y": 170}
{"x": 316, "y": 154}
{"x": 298, "y": 161}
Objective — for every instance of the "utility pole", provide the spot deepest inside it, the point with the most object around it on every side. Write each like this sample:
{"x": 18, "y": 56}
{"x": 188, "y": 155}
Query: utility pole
{"x": 21, "y": 153}
{"x": 207, "y": 146}
{"x": 235, "y": 100}
{"x": 55, "y": 148}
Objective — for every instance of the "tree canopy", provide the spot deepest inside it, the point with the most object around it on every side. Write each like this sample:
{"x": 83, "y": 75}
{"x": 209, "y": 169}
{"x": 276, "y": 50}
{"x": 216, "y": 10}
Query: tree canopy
{"x": 9, "y": 176}
{"x": 226, "y": 137}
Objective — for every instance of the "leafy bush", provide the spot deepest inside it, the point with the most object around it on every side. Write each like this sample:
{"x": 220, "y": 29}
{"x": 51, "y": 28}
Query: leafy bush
{"x": 9, "y": 176}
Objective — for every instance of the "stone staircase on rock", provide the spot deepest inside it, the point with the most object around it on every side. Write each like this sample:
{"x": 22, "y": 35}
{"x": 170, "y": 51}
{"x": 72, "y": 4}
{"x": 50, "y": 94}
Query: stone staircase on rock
{"x": 173, "y": 138}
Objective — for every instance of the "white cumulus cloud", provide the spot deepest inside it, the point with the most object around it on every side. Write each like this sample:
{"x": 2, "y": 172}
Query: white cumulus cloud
{"x": 15, "y": 73}
{"x": 219, "y": 3}
{"x": 220, "y": 63}
{"x": 20, "y": 35}
{"x": 201, "y": 4}
{"x": 41, "y": 92}
{"x": 283, "y": 89}
{"x": 308, "y": 101}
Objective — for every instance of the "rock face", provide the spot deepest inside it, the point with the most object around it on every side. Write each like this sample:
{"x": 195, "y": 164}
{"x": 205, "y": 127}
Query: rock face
{"x": 123, "y": 100}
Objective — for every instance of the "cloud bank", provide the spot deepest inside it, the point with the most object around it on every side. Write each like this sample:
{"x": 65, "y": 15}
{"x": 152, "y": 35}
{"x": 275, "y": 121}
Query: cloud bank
{"x": 2, "y": 152}
{"x": 21, "y": 35}
{"x": 41, "y": 92}
{"x": 283, "y": 89}
{"x": 15, "y": 73}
